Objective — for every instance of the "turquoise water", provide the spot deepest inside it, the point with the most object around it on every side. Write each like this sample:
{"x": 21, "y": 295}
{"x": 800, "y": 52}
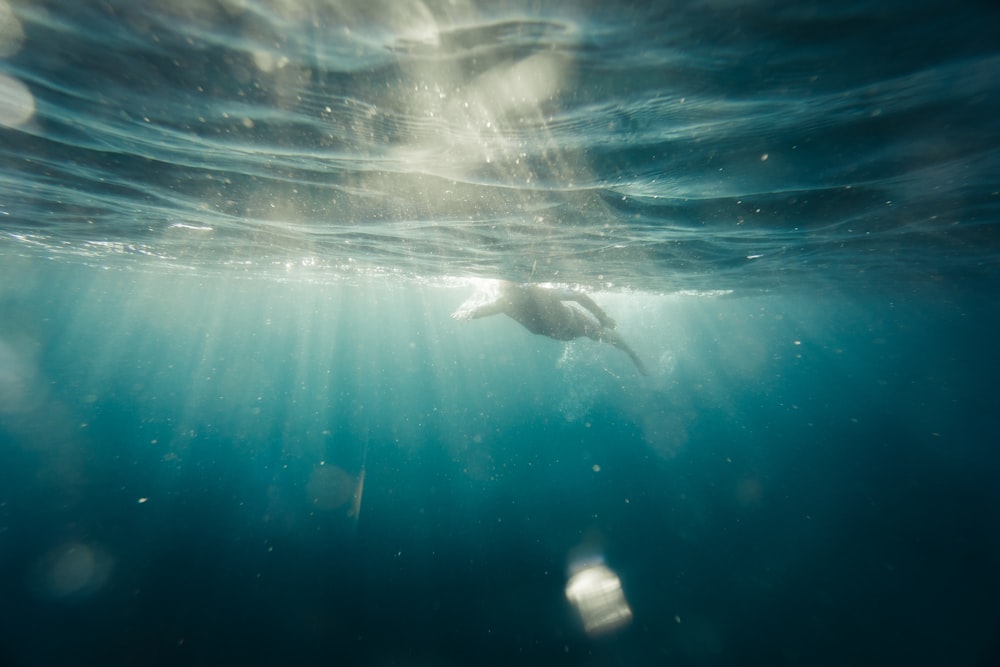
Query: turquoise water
{"x": 237, "y": 424}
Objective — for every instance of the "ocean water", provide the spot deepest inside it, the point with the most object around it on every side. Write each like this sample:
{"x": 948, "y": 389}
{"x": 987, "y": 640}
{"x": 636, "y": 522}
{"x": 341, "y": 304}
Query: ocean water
{"x": 238, "y": 426}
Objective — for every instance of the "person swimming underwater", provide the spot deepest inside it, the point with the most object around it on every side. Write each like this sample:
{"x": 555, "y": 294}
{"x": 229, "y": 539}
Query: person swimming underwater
{"x": 562, "y": 314}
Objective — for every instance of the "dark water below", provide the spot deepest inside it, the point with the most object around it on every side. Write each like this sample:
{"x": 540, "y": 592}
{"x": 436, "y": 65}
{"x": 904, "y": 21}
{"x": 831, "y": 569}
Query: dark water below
{"x": 238, "y": 426}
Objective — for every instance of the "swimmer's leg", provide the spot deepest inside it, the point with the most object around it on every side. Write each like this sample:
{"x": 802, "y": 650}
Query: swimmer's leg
{"x": 612, "y": 337}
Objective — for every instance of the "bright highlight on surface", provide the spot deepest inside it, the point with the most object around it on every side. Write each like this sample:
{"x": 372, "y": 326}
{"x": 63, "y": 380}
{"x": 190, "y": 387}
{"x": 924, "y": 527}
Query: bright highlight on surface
{"x": 11, "y": 32}
{"x": 17, "y": 104}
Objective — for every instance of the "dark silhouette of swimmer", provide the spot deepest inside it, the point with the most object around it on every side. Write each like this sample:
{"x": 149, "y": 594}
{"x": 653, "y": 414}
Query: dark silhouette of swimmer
{"x": 562, "y": 314}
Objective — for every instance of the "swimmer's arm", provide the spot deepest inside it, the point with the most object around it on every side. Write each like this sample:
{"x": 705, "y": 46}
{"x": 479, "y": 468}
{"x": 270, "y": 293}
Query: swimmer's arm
{"x": 589, "y": 304}
{"x": 475, "y": 312}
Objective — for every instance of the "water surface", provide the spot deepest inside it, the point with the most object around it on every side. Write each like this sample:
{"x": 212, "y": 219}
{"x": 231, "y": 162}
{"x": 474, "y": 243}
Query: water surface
{"x": 238, "y": 425}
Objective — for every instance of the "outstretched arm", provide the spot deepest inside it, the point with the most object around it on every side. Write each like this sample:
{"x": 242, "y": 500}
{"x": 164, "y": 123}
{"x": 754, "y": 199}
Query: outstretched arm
{"x": 473, "y": 311}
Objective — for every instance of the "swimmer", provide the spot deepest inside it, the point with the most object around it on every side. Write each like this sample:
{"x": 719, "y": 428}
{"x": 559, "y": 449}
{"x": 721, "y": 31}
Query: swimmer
{"x": 562, "y": 314}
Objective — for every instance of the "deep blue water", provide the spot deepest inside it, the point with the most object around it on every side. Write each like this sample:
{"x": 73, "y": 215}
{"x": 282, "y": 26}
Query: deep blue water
{"x": 238, "y": 426}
